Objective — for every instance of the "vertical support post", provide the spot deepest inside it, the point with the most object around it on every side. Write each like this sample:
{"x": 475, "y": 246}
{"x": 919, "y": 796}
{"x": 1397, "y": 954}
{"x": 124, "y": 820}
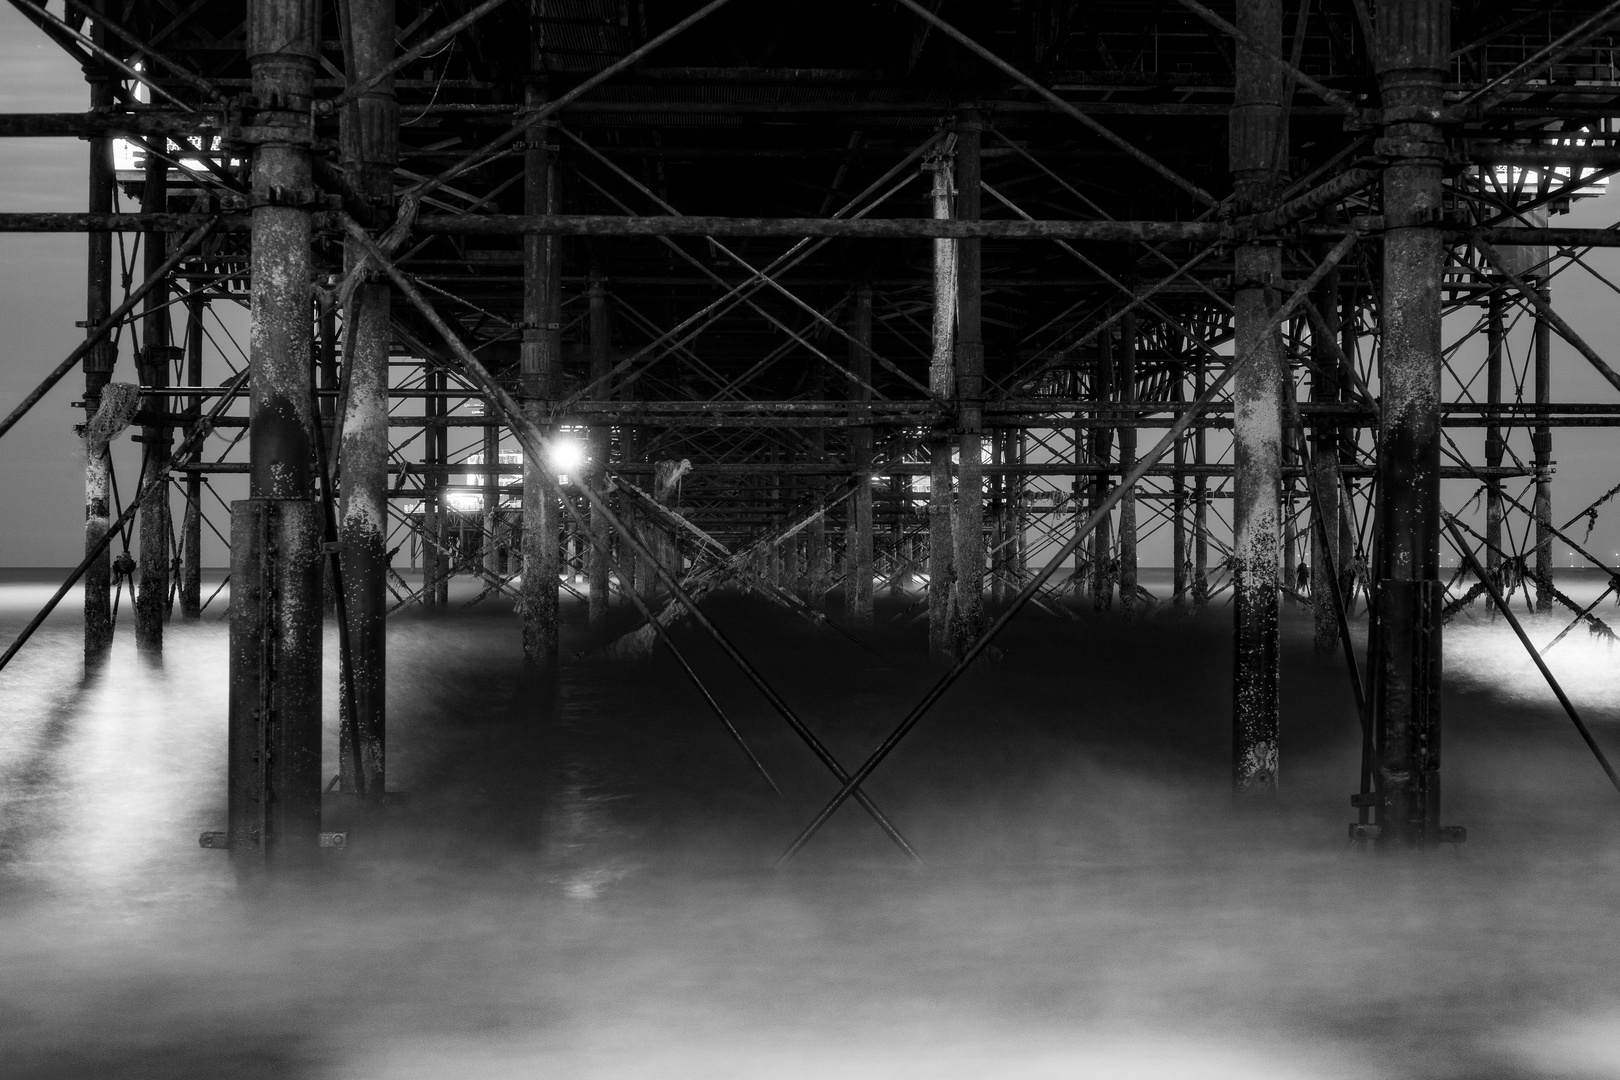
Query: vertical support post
{"x": 1543, "y": 449}
{"x": 539, "y": 360}
{"x": 1079, "y": 490}
{"x": 599, "y": 557}
{"x": 191, "y": 521}
{"x": 1408, "y": 599}
{"x": 1495, "y": 342}
{"x": 1017, "y": 510}
{"x": 1181, "y": 564}
{"x": 433, "y": 562}
{"x": 275, "y": 702}
{"x": 1326, "y": 388}
{"x": 1200, "y": 582}
{"x": 152, "y": 598}
{"x": 967, "y": 621}
{"x": 1127, "y": 459}
{"x": 942, "y": 383}
{"x": 447, "y": 513}
{"x": 858, "y": 581}
{"x": 1257, "y": 132}
{"x": 995, "y": 490}
{"x": 816, "y": 570}
{"x": 98, "y": 368}
{"x": 491, "y": 507}
{"x": 1102, "y": 454}
{"x": 369, "y": 139}
{"x": 1352, "y": 564}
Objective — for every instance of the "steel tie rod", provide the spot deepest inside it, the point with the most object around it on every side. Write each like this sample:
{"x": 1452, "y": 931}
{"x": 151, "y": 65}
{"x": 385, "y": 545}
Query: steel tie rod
{"x": 1467, "y": 553}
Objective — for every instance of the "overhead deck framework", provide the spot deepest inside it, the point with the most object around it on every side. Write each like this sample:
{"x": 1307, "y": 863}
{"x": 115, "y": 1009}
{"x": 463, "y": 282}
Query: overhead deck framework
{"x": 950, "y": 302}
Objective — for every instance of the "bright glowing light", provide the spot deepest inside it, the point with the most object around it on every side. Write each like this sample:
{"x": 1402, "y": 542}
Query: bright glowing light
{"x": 465, "y": 501}
{"x": 566, "y": 455}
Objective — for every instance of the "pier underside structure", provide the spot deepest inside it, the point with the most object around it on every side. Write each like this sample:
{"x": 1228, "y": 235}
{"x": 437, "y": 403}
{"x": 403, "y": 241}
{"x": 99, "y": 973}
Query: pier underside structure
{"x": 960, "y": 305}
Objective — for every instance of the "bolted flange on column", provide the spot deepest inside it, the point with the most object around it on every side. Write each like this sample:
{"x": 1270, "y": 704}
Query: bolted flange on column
{"x": 274, "y": 801}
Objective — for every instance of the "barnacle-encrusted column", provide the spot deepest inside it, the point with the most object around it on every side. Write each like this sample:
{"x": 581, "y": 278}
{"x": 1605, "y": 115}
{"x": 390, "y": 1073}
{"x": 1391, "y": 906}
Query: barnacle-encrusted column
{"x": 275, "y": 703}
{"x": 1412, "y": 47}
{"x": 370, "y": 148}
{"x": 1257, "y": 138}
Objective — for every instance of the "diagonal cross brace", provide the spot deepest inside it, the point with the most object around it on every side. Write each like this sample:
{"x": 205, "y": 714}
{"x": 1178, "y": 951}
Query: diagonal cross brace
{"x": 535, "y": 443}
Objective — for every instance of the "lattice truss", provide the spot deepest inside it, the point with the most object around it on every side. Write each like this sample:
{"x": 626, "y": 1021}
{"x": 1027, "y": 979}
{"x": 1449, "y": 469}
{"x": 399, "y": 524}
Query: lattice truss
{"x": 750, "y": 211}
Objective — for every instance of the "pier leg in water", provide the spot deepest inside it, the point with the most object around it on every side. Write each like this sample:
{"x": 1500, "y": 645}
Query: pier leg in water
{"x": 274, "y": 751}
{"x": 1258, "y": 135}
{"x": 1409, "y": 593}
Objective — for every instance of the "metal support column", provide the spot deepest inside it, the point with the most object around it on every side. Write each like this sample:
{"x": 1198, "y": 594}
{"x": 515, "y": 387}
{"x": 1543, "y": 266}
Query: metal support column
{"x": 858, "y": 581}
{"x": 967, "y": 621}
{"x": 191, "y": 520}
{"x": 98, "y": 368}
{"x": 1326, "y": 387}
{"x": 1200, "y": 581}
{"x": 942, "y": 383}
{"x": 1542, "y": 438}
{"x": 1102, "y": 453}
{"x": 152, "y": 598}
{"x": 275, "y": 656}
{"x": 539, "y": 360}
{"x": 1180, "y": 563}
{"x": 817, "y": 569}
{"x": 1258, "y": 135}
{"x": 599, "y": 556}
{"x": 1495, "y": 343}
{"x": 1412, "y": 51}
{"x": 1127, "y": 458}
{"x": 369, "y": 130}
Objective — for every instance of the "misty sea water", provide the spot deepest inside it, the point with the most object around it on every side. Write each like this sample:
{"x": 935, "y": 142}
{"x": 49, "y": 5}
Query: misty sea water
{"x": 581, "y": 881}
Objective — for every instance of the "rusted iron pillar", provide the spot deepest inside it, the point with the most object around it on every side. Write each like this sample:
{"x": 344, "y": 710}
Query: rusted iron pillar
{"x": 858, "y": 582}
{"x": 942, "y": 383}
{"x": 994, "y": 452}
{"x": 967, "y": 618}
{"x": 1102, "y": 453}
{"x": 1325, "y": 388}
{"x": 599, "y": 557}
{"x": 816, "y": 556}
{"x": 152, "y": 598}
{"x": 1258, "y": 135}
{"x": 98, "y": 368}
{"x": 1413, "y": 40}
{"x": 1495, "y": 342}
{"x": 370, "y": 147}
{"x": 1200, "y": 581}
{"x": 275, "y": 702}
{"x": 539, "y": 361}
{"x": 1180, "y": 563}
{"x": 1127, "y": 458}
{"x": 433, "y": 560}
{"x": 1542, "y": 444}
{"x": 191, "y": 520}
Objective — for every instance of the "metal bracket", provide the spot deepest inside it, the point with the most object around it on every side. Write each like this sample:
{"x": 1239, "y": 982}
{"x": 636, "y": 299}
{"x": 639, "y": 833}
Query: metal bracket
{"x": 216, "y": 840}
{"x": 334, "y": 839}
